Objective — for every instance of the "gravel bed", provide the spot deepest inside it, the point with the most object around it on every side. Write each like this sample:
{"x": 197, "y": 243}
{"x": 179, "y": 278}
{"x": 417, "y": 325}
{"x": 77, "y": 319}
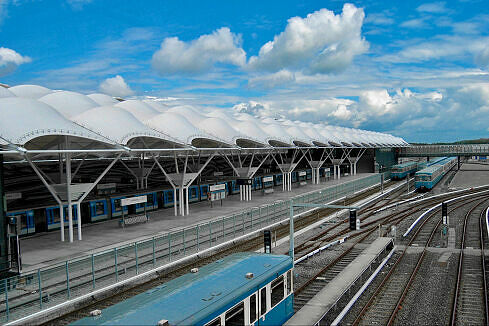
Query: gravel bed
{"x": 429, "y": 299}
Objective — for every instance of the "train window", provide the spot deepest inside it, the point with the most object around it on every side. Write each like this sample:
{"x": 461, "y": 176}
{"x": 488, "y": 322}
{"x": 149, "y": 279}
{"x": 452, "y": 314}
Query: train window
{"x": 99, "y": 208}
{"x": 23, "y": 220}
{"x": 263, "y": 301}
{"x": 253, "y": 308}
{"x": 277, "y": 290}
{"x": 215, "y": 322}
{"x": 169, "y": 195}
{"x": 117, "y": 205}
{"x": 149, "y": 199}
{"x": 235, "y": 316}
{"x": 289, "y": 282}
{"x": 193, "y": 192}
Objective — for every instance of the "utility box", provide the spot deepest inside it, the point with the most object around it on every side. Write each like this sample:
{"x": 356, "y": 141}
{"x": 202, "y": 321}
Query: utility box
{"x": 353, "y": 219}
{"x": 267, "y": 241}
{"x": 444, "y": 213}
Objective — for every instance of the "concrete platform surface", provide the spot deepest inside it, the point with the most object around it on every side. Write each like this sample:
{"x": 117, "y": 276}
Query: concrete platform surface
{"x": 46, "y": 248}
{"x": 470, "y": 175}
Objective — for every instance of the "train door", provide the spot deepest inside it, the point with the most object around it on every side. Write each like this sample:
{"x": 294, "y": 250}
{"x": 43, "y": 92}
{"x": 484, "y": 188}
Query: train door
{"x": 252, "y": 304}
{"x": 263, "y": 303}
{"x": 40, "y": 220}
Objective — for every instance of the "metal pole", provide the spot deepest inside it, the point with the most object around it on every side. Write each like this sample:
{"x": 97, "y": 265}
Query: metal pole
{"x": 62, "y": 221}
{"x": 186, "y": 202}
{"x": 115, "y": 265}
{"x": 40, "y": 287}
{"x": 68, "y": 195}
{"x": 136, "y": 256}
{"x": 291, "y": 232}
{"x": 93, "y": 271}
{"x": 6, "y": 298}
{"x": 210, "y": 234}
{"x": 78, "y": 216}
{"x": 154, "y": 256}
{"x": 68, "y": 280}
{"x": 169, "y": 246}
{"x": 175, "y": 200}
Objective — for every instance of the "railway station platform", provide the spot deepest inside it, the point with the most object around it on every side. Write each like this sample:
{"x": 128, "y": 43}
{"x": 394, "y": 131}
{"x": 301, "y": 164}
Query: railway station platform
{"x": 315, "y": 310}
{"x": 470, "y": 175}
{"x": 45, "y": 249}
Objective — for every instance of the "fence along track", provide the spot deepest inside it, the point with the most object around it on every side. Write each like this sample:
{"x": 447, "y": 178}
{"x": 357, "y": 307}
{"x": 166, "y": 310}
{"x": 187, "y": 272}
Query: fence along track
{"x": 379, "y": 308}
{"x": 470, "y": 306}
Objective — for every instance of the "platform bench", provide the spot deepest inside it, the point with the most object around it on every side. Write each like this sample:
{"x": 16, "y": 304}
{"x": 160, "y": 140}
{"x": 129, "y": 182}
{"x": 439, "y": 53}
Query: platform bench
{"x": 140, "y": 218}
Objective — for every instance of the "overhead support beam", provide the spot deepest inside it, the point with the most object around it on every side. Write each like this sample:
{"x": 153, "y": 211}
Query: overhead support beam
{"x": 287, "y": 167}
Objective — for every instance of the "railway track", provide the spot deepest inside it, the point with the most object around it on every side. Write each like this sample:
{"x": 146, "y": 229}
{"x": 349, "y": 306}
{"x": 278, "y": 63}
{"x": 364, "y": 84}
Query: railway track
{"x": 384, "y": 304}
{"x": 250, "y": 245}
{"x": 470, "y": 301}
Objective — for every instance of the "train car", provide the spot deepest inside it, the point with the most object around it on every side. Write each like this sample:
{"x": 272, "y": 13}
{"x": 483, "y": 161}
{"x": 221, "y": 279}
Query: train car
{"x": 234, "y": 187}
{"x": 295, "y": 176}
{"x": 168, "y": 198}
{"x": 427, "y": 178}
{"x": 151, "y": 203}
{"x": 116, "y": 208}
{"x": 53, "y": 219}
{"x": 309, "y": 174}
{"x": 26, "y": 221}
{"x": 257, "y": 183}
{"x": 204, "y": 189}
{"x": 98, "y": 210}
{"x": 400, "y": 171}
{"x": 278, "y": 179}
{"x": 193, "y": 194}
{"x": 240, "y": 289}
{"x": 435, "y": 161}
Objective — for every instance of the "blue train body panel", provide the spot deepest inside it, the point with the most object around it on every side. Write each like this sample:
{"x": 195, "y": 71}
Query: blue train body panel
{"x": 431, "y": 175}
{"x": 204, "y": 189}
{"x": 151, "y": 203}
{"x": 308, "y": 174}
{"x": 26, "y": 220}
{"x": 98, "y": 210}
{"x": 193, "y": 194}
{"x": 257, "y": 183}
{"x": 116, "y": 208}
{"x": 198, "y": 298}
{"x": 234, "y": 188}
{"x": 53, "y": 218}
{"x": 278, "y": 179}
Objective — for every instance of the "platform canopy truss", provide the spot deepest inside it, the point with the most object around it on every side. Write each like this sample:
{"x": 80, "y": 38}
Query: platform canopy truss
{"x": 39, "y": 125}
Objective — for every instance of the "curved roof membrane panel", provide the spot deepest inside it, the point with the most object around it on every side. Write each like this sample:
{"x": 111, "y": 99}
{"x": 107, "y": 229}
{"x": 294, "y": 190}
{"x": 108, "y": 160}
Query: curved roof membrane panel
{"x": 118, "y": 125}
{"x": 26, "y": 119}
{"x": 102, "y": 99}
{"x": 176, "y": 125}
{"x": 4, "y": 92}
{"x": 190, "y": 113}
{"x": 278, "y": 135}
{"x": 158, "y": 106}
{"x": 30, "y": 91}
{"x": 139, "y": 109}
{"x": 299, "y": 137}
{"x": 69, "y": 104}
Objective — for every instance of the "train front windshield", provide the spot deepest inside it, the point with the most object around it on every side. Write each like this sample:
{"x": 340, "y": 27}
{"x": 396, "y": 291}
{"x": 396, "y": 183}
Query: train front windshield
{"x": 423, "y": 177}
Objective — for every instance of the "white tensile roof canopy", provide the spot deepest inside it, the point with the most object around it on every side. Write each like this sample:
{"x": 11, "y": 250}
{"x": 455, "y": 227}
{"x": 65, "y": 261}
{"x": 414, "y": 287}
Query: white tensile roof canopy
{"x": 35, "y": 117}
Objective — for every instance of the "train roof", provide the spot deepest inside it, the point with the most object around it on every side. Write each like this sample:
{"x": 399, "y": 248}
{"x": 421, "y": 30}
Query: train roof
{"x": 192, "y": 297}
{"x": 435, "y": 166}
{"x": 401, "y": 165}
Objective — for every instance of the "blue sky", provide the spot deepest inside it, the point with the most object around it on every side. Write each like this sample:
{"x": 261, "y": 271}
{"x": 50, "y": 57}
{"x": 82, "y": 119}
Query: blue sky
{"x": 415, "y": 69}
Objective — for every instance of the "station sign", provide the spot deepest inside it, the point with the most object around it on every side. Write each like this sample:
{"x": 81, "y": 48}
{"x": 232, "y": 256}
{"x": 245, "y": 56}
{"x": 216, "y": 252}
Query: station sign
{"x": 219, "y": 173}
{"x": 13, "y": 195}
{"x": 267, "y": 179}
{"x": 244, "y": 182}
{"x": 220, "y": 187}
{"x": 105, "y": 186}
{"x": 302, "y": 173}
{"x": 133, "y": 200}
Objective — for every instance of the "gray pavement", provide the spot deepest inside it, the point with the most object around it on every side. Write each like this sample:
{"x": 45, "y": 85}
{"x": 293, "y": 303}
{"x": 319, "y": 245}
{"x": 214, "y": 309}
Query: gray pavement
{"x": 46, "y": 249}
{"x": 470, "y": 175}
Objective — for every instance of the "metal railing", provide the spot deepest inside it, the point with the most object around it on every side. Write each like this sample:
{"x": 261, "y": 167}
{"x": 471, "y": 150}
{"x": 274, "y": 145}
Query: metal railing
{"x": 446, "y": 150}
{"x": 32, "y": 292}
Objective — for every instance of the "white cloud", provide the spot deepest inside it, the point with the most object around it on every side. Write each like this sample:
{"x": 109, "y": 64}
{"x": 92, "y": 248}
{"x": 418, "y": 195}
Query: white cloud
{"x": 116, "y": 86}
{"x": 10, "y": 60}
{"x": 379, "y": 19}
{"x": 320, "y": 43}
{"x": 433, "y": 8}
{"x": 199, "y": 55}
{"x": 78, "y": 4}
{"x": 341, "y": 112}
{"x": 272, "y": 80}
{"x": 414, "y": 23}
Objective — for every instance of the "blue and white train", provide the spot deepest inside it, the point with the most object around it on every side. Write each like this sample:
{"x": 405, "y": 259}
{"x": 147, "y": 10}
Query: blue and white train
{"x": 241, "y": 289}
{"x": 427, "y": 178}
{"x": 105, "y": 207}
{"x": 400, "y": 171}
